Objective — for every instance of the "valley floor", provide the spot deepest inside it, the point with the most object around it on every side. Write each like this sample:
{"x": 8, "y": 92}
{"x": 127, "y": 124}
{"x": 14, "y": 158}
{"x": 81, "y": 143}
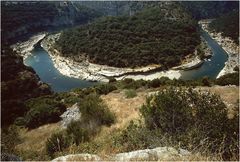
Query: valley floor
{"x": 95, "y": 72}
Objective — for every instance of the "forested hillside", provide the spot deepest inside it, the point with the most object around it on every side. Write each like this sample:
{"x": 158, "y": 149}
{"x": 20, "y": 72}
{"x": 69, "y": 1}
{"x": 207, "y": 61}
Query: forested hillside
{"x": 119, "y": 8}
{"x": 209, "y": 9}
{"x": 157, "y": 35}
{"x": 228, "y": 25}
{"x": 18, "y": 83}
{"x": 24, "y": 18}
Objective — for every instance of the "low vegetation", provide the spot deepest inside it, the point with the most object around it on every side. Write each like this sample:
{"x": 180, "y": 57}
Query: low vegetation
{"x": 93, "y": 109}
{"x": 80, "y": 135}
{"x": 94, "y": 114}
{"x": 184, "y": 118}
{"x": 130, "y": 93}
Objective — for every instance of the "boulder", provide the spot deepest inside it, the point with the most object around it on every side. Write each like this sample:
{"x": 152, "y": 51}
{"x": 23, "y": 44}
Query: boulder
{"x": 71, "y": 114}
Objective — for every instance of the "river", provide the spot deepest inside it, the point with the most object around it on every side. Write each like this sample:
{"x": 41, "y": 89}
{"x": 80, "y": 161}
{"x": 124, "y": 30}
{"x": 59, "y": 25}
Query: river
{"x": 209, "y": 68}
{"x": 41, "y": 62}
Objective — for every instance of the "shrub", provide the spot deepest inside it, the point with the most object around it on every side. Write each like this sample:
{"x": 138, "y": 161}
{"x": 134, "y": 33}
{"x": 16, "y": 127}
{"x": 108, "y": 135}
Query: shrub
{"x": 93, "y": 109}
{"x": 43, "y": 110}
{"x": 131, "y": 84}
{"x": 130, "y": 93}
{"x": 105, "y": 88}
{"x": 136, "y": 137}
{"x": 157, "y": 82}
{"x": 168, "y": 110}
{"x": 77, "y": 132}
{"x": 195, "y": 119}
{"x": 57, "y": 143}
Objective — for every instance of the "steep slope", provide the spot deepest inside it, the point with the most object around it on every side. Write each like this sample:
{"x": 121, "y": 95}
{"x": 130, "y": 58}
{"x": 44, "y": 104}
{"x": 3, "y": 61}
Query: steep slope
{"x": 228, "y": 25}
{"x": 24, "y": 18}
{"x": 209, "y": 9}
{"x": 158, "y": 35}
{"x": 18, "y": 83}
{"x": 125, "y": 109}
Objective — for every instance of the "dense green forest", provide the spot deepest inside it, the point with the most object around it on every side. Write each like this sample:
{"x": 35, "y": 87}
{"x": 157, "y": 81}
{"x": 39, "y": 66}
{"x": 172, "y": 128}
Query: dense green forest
{"x": 228, "y": 25}
{"x": 157, "y": 35}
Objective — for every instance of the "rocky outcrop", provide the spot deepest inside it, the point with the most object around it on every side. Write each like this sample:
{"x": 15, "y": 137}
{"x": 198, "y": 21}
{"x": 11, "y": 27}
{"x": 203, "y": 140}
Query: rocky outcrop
{"x": 159, "y": 153}
{"x": 78, "y": 157}
{"x": 71, "y": 114}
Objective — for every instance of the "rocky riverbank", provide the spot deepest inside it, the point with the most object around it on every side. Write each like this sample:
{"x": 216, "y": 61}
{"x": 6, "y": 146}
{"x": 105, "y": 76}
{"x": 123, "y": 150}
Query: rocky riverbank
{"x": 94, "y": 72}
{"x": 228, "y": 45}
{"x": 24, "y": 48}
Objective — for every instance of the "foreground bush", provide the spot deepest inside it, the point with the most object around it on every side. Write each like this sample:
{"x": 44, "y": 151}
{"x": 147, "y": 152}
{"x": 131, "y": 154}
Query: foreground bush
{"x": 94, "y": 114}
{"x": 78, "y": 132}
{"x": 137, "y": 137}
{"x": 194, "y": 119}
{"x": 93, "y": 109}
{"x": 105, "y": 88}
{"x": 57, "y": 143}
{"x": 130, "y": 93}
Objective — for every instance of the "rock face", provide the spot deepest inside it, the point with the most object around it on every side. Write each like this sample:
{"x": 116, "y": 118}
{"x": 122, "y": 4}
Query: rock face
{"x": 72, "y": 114}
{"x": 159, "y": 153}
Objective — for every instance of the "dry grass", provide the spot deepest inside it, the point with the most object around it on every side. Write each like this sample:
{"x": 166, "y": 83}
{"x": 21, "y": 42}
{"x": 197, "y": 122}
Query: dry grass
{"x": 34, "y": 140}
{"x": 125, "y": 109}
